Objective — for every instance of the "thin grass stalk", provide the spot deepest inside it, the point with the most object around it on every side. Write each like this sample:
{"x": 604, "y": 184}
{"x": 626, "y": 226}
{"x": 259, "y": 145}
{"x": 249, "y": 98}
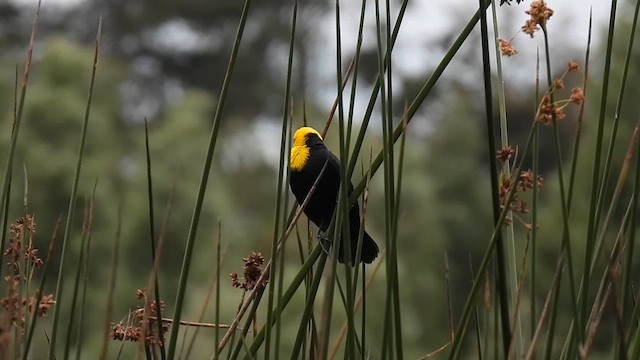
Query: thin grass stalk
{"x": 413, "y": 107}
{"x": 575, "y": 155}
{"x": 553, "y": 316}
{"x": 627, "y": 286}
{"x": 283, "y": 301}
{"x": 85, "y": 285}
{"x": 534, "y": 210}
{"x": 336, "y": 232}
{"x": 479, "y": 332}
{"x": 387, "y": 340}
{"x": 358, "y": 303}
{"x": 242, "y": 308}
{"x": 356, "y": 339}
{"x": 7, "y": 193}
{"x": 617, "y": 112}
{"x": 86, "y": 230}
{"x": 45, "y": 272}
{"x": 363, "y": 215}
{"x": 356, "y": 64}
{"x": 555, "y": 287}
{"x": 345, "y": 209}
{"x": 394, "y": 204}
{"x": 17, "y": 120}
{"x": 621, "y": 249}
{"x": 308, "y": 308}
{"x": 626, "y": 277}
{"x": 622, "y": 178}
{"x": 279, "y": 290}
{"x": 606, "y": 285}
{"x": 578, "y": 137}
{"x": 72, "y": 199}
{"x": 566, "y": 239}
{"x": 502, "y": 263}
{"x": 5, "y": 222}
{"x": 594, "y": 206}
{"x": 519, "y": 295}
{"x": 463, "y": 322}
{"x": 327, "y": 305}
{"x": 152, "y": 237}
{"x": 218, "y": 272}
{"x": 186, "y": 262}
{"x": 510, "y": 272}
{"x": 251, "y": 318}
{"x": 153, "y": 279}
{"x": 295, "y": 283}
{"x": 504, "y": 274}
{"x": 280, "y": 184}
{"x": 112, "y": 288}
{"x": 372, "y": 99}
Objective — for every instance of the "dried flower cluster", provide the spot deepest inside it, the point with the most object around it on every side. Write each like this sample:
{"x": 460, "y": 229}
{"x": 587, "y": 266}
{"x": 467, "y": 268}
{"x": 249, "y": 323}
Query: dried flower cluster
{"x": 538, "y": 13}
{"x": 525, "y": 181}
{"x": 143, "y": 320}
{"x": 506, "y": 48}
{"x": 252, "y": 272}
{"x": 550, "y": 110}
{"x": 505, "y": 154}
{"x": 22, "y": 260}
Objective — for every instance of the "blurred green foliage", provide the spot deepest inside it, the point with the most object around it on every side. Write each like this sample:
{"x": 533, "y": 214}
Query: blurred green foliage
{"x": 445, "y": 205}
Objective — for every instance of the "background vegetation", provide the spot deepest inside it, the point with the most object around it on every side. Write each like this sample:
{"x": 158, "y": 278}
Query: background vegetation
{"x": 186, "y": 67}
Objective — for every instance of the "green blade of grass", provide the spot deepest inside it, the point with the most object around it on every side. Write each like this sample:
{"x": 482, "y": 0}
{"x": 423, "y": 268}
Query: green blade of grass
{"x": 413, "y": 107}
{"x": 112, "y": 288}
{"x": 85, "y": 270}
{"x": 186, "y": 262}
{"x": 152, "y": 239}
{"x": 86, "y": 233}
{"x": 45, "y": 273}
{"x": 566, "y": 237}
{"x": 280, "y": 185}
{"x": 456, "y": 346}
{"x": 626, "y": 279}
{"x": 502, "y": 263}
{"x": 594, "y": 214}
{"x": 72, "y": 200}
{"x": 18, "y": 107}
{"x": 308, "y": 307}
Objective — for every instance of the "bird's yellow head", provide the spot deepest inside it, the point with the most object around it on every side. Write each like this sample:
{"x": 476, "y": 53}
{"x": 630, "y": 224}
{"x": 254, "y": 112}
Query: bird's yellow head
{"x": 300, "y": 150}
{"x": 301, "y": 135}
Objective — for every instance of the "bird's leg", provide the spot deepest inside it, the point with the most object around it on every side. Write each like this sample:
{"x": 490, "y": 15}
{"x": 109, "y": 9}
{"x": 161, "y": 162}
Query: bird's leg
{"x": 324, "y": 241}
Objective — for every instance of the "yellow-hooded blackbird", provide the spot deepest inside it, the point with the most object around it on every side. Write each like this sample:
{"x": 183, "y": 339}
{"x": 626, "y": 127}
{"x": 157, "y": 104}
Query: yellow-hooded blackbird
{"x": 308, "y": 157}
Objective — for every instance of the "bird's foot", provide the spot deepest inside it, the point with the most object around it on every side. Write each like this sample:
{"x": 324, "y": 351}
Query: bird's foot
{"x": 325, "y": 242}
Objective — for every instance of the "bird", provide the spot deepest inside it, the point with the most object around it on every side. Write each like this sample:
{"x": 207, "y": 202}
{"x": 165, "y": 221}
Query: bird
{"x": 309, "y": 154}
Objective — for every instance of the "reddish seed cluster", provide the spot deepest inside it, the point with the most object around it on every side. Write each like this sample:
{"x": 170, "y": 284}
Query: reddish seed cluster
{"x": 525, "y": 181}
{"x": 143, "y": 319}
{"x": 506, "y": 48}
{"x": 505, "y": 154}
{"x": 539, "y": 13}
{"x": 252, "y": 272}
{"x": 550, "y": 110}
{"x": 22, "y": 255}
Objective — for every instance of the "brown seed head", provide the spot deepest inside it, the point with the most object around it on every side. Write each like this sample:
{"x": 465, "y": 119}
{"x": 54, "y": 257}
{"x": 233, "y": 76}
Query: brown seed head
{"x": 577, "y": 96}
{"x": 503, "y": 155}
{"x": 572, "y": 66}
{"x": 506, "y": 48}
{"x": 539, "y": 13}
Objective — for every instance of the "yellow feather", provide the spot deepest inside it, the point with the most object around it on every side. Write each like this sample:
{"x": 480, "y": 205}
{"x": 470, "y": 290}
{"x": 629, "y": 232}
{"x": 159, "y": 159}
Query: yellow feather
{"x": 299, "y": 157}
{"x": 300, "y": 151}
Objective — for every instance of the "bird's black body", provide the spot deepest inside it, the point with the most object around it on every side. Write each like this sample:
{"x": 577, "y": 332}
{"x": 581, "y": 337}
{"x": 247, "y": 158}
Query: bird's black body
{"x": 323, "y": 201}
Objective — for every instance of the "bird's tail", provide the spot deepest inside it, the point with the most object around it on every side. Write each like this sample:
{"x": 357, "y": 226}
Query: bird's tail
{"x": 368, "y": 253}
